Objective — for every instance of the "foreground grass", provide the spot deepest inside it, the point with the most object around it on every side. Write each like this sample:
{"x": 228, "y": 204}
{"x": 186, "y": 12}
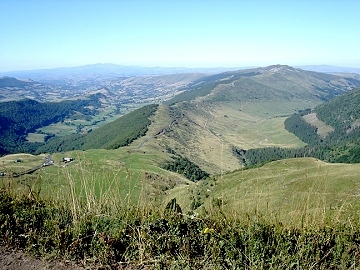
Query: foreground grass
{"x": 118, "y": 236}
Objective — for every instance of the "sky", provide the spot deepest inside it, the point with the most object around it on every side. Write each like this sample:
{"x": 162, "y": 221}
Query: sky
{"x": 37, "y": 34}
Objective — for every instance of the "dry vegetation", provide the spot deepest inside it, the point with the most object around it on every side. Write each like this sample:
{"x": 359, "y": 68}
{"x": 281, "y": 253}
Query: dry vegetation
{"x": 322, "y": 129}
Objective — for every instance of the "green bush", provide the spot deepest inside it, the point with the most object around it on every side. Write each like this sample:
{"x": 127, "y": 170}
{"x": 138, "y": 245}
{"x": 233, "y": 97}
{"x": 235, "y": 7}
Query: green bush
{"x": 184, "y": 166}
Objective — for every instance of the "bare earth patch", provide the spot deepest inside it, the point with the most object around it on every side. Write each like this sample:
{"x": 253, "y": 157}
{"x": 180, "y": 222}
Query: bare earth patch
{"x": 323, "y": 129}
{"x": 18, "y": 260}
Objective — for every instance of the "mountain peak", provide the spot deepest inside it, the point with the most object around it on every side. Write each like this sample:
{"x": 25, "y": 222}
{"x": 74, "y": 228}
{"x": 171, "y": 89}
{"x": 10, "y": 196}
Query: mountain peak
{"x": 277, "y": 69}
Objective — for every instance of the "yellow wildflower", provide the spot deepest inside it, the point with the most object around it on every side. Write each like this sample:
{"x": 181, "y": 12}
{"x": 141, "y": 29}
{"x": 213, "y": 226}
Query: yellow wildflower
{"x": 207, "y": 230}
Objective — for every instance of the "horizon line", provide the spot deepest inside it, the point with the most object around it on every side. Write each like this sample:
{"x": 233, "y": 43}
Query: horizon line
{"x": 177, "y": 67}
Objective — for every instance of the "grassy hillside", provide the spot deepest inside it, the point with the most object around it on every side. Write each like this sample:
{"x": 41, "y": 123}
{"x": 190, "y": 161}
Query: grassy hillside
{"x": 206, "y": 132}
{"x": 127, "y": 176}
{"x": 331, "y": 131}
{"x": 296, "y": 192}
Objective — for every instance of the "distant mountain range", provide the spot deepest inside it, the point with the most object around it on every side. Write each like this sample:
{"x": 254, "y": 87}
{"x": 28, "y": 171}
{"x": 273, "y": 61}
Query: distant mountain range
{"x": 330, "y": 69}
{"x": 106, "y": 71}
{"x": 113, "y": 70}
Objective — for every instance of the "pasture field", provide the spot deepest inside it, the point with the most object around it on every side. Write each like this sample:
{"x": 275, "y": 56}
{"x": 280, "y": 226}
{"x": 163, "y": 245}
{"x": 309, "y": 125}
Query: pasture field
{"x": 322, "y": 129}
{"x": 253, "y": 125}
{"x": 104, "y": 117}
{"x": 28, "y": 161}
{"x": 35, "y": 137}
{"x": 59, "y": 129}
{"x": 126, "y": 175}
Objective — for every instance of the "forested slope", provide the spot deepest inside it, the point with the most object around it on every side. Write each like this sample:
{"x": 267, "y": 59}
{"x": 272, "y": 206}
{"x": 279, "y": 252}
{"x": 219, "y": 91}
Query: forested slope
{"x": 118, "y": 133}
{"x": 18, "y": 118}
{"x": 342, "y": 113}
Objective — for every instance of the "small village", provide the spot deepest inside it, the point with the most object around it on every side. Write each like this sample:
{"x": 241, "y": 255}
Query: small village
{"x": 47, "y": 162}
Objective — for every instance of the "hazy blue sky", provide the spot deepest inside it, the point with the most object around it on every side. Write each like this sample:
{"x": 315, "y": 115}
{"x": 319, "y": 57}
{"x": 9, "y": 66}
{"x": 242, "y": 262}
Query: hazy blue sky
{"x": 192, "y": 33}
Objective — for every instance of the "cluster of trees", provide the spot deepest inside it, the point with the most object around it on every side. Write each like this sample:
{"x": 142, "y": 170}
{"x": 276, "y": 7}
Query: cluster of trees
{"x": 302, "y": 129}
{"x": 184, "y": 166}
{"x": 341, "y": 112}
{"x": 18, "y": 118}
{"x": 30, "y": 114}
{"x": 239, "y": 153}
{"x": 346, "y": 152}
{"x": 260, "y": 156}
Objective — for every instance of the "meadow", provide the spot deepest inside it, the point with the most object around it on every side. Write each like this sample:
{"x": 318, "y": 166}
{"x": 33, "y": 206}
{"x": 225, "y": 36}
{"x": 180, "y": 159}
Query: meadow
{"x": 129, "y": 175}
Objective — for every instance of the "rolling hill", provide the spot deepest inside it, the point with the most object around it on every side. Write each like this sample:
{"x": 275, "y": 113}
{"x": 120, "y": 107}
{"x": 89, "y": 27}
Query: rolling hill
{"x": 13, "y": 82}
{"x": 217, "y": 114}
{"x": 18, "y": 118}
{"x": 245, "y": 109}
{"x": 296, "y": 192}
{"x": 274, "y": 82}
{"x": 336, "y": 126}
